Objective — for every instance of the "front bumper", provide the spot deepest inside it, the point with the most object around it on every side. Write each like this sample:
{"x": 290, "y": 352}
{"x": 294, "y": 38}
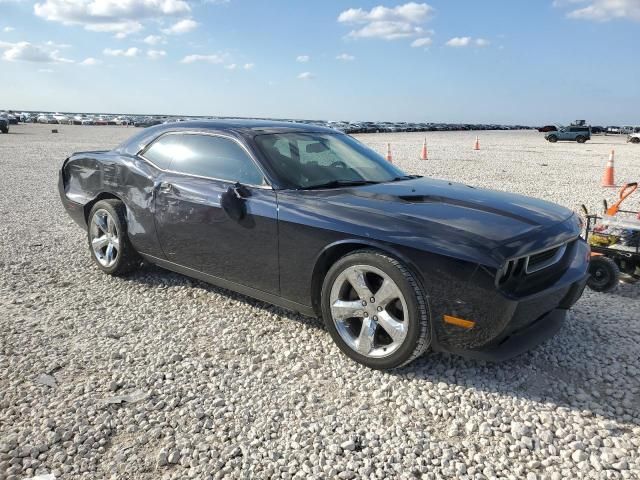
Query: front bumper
{"x": 506, "y": 326}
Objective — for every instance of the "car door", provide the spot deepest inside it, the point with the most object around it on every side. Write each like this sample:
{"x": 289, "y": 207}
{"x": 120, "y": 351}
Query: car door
{"x": 196, "y": 226}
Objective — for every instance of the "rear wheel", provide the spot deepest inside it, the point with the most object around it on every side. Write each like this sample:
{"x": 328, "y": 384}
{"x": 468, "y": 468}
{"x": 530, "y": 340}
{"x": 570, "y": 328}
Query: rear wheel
{"x": 581, "y": 139}
{"x": 375, "y": 310}
{"x": 108, "y": 239}
{"x": 5, "y": 130}
{"x": 604, "y": 274}
{"x": 552, "y": 138}
{"x": 635, "y": 140}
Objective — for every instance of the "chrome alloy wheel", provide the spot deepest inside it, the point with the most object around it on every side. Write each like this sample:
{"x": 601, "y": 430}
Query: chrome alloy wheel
{"x": 104, "y": 237}
{"x": 369, "y": 311}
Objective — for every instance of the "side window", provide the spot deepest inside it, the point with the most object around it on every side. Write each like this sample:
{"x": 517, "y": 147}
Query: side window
{"x": 162, "y": 151}
{"x": 215, "y": 157}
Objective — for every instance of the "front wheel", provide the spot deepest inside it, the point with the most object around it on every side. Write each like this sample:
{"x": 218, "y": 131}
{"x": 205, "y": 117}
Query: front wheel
{"x": 109, "y": 243}
{"x": 635, "y": 140}
{"x": 5, "y": 130}
{"x": 604, "y": 274}
{"x": 375, "y": 310}
{"x": 581, "y": 139}
{"x": 552, "y": 138}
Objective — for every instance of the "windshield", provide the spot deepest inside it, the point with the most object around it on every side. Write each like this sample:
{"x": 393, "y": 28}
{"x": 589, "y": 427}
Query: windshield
{"x": 307, "y": 160}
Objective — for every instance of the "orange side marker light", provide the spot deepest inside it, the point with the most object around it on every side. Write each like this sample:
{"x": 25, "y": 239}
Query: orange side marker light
{"x": 459, "y": 322}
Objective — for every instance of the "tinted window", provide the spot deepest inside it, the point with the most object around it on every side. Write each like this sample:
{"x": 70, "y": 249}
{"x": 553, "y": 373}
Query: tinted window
{"x": 161, "y": 151}
{"x": 209, "y": 156}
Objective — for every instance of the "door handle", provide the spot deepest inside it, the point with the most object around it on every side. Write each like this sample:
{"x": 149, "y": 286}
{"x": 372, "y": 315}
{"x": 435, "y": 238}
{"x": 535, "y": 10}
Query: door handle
{"x": 165, "y": 187}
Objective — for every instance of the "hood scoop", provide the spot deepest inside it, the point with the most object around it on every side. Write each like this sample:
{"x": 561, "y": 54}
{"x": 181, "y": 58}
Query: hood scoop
{"x": 417, "y": 198}
{"x": 458, "y": 202}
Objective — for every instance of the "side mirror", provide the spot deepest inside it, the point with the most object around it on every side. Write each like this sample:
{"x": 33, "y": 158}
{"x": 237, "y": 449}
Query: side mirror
{"x": 233, "y": 202}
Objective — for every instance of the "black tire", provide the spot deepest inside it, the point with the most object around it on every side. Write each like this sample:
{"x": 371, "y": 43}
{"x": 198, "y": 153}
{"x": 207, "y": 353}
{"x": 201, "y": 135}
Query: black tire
{"x": 635, "y": 140}
{"x": 5, "y": 130}
{"x": 604, "y": 274}
{"x": 552, "y": 138}
{"x": 127, "y": 259}
{"x": 581, "y": 139}
{"x": 419, "y": 335}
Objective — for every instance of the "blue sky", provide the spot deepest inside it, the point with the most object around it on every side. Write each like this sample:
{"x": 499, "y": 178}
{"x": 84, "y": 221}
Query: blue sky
{"x": 510, "y": 61}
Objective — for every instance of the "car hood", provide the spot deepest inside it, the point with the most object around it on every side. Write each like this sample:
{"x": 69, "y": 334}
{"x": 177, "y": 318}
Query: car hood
{"x": 447, "y": 212}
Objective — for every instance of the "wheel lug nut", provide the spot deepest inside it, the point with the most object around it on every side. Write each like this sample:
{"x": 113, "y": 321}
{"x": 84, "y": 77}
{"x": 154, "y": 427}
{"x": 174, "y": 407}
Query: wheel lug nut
{"x": 366, "y": 314}
{"x": 373, "y": 300}
{"x": 364, "y": 304}
{"x": 375, "y": 318}
{"x": 379, "y": 309}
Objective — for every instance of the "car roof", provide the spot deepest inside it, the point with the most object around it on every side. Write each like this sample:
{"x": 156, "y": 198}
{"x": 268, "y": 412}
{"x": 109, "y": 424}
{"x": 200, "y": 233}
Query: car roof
{"x": 241, "y": 127}
{"x": 247, "y": 126}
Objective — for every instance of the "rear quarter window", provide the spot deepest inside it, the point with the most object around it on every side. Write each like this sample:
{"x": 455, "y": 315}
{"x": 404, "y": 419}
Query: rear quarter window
{"x": 163, "y": 150}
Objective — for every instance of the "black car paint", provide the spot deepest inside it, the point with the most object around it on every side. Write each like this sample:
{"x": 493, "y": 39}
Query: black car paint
{"x": 452, "y": 236}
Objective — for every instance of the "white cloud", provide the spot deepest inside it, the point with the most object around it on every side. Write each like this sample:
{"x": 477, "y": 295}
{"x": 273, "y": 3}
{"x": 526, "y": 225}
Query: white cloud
{"x": 121, "y": 17}
{"x": 90, "y": 62}
{"x": 306, "y": 76}
{"x": 44, "y": 70}
{"x": 459, "y": 42}
{"x": 303, "y": 58}
{"x": 345, "y": 57}
{"x": 129, "y": 52}
{"x": 203, "y": 58}
{"x": 467, "y": 42}
{"x": 29, "y": 52}
{"x": 248, "y": 66}
{"x": 183, "y": 26}
{"x": 387, "y": 23}
{"x": 231, "y": 66}
{"x": 421, "y": 42}
{"x": 153, "y": 39}
{"x": 156, "y": 54}
{"x": 602, "y": 10}
{"x": 409, "y": 12}
{"x": 8, "y": 29}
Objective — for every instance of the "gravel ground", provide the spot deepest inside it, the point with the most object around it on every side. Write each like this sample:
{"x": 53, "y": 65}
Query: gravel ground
{"x": 159, "y": 376}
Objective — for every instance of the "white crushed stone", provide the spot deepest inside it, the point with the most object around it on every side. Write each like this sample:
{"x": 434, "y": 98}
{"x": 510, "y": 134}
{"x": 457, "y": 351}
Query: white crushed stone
{"x": 235, "y": 388}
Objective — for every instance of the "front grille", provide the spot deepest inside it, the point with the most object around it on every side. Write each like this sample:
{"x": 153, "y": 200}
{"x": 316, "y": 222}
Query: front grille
{"x": 542, "y": 260}
{"x": 532, "y": 272}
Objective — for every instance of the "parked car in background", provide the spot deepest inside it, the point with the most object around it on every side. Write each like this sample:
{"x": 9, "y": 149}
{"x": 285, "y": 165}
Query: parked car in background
{"x": 548, "y": 128}
{"x": 612, "y": 129}
{"x": 597, "y": 130}
{"x": 13, "y": 118}
{"x": 312, "y": 220}
{"x": 4, "y": 123}
{"x": 570, "y": 134}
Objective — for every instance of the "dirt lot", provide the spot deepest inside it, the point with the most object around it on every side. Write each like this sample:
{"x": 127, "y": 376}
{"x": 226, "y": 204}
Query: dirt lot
{"x": 226, "y": 387}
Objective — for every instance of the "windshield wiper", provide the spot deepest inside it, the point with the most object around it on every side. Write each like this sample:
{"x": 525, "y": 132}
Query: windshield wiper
{"x": 338, "y": 184}
{"x": 405, "y": 177}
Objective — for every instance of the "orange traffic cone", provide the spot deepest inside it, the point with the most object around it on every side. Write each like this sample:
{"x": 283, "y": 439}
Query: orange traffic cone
{"x": 607, "y": 178}
{"x": 424, "y": 155}
{"x": 389, "y": 157}
{"x": 477, "y": 144}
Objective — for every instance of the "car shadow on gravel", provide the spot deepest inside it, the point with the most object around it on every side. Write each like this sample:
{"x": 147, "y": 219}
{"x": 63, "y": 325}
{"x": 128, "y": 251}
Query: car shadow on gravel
{"x": 558, "y": 372}
{"x": 156, "y": 276}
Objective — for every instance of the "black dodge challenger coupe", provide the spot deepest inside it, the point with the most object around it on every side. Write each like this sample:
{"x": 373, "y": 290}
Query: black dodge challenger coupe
{"x": 312, "y": 220}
